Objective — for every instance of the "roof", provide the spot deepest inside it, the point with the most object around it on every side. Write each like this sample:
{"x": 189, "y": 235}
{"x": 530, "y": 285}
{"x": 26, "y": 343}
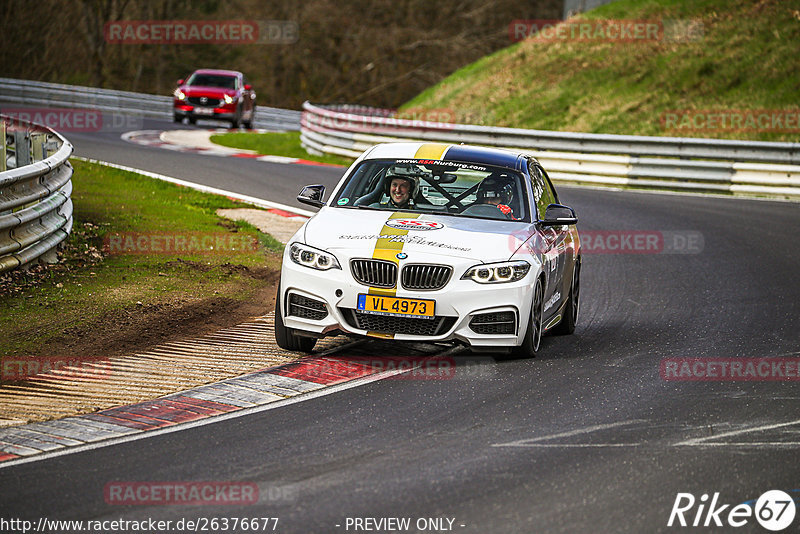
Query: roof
{"x": 446, "y": 152}
{"x": 219, "y": 72}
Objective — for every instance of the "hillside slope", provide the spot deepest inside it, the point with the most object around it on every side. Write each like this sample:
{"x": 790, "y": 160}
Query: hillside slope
{"x": 743, "y": 62}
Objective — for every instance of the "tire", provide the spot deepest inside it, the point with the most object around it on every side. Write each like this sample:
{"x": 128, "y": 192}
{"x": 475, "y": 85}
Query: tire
{"x": 249, "y": 123}
{"x": 177, "y": 118}
{"x": 533, "y": 336}
{"x": 285, "y": 337}
{"x": 570, "y": 317}
{"x": 192, "y": 120}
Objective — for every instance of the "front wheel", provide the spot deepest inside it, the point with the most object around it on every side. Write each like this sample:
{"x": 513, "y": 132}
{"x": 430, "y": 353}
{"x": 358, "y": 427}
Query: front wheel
{"x": 249, "y": 122}
{"x": 236, "y": 120}
{"x": 285, "y": 337}
{"x": 533, "y": 337}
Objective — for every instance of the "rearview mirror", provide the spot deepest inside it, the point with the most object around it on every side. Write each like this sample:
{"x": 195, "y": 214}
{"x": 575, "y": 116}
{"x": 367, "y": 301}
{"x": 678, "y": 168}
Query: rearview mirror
{"x": 180, "y": 82}
{"x": 312, "y": 195}
{"x": 247, "y": 87}
{"x": 558, "y": 215}
{"x": 445, "y": 178}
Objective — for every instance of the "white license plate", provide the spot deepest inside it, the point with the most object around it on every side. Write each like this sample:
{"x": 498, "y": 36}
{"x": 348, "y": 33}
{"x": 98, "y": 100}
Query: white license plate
{"x": 396, "y": 307}
{"x": 203, "y": 111}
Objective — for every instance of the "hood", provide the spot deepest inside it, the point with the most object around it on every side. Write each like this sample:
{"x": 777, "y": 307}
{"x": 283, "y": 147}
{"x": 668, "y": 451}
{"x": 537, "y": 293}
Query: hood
{"x": 358, "y": 230}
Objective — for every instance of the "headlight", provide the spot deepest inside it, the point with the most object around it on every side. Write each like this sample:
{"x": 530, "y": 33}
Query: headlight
{"x": 497, "y": 273}
{"x": 179, "y": 94}
{"x": 313, "y": 258}
{"x": 228, "y": 99}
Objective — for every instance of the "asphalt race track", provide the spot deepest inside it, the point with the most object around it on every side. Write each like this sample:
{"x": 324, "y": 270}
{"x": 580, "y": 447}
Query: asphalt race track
{"x": 588, "y": 437}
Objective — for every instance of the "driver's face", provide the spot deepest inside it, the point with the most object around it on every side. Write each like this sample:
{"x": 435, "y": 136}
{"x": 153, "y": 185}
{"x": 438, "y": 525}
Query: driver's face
{"x": 399, "y": 190}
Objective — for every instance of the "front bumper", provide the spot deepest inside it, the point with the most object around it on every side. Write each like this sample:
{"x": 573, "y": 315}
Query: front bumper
{"x": 465, "y": 310}
{"x": 189, "y": 111}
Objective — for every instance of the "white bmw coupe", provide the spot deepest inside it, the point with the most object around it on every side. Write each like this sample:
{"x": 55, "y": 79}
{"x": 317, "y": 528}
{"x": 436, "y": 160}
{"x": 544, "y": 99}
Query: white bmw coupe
{"x": 433, "y": 242}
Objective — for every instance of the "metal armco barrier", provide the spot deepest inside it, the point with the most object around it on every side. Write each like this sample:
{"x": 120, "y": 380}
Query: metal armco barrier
{"x": 690, "y": 164}
{"x": 33, "y": 93}
{"x": 35, "y": 204}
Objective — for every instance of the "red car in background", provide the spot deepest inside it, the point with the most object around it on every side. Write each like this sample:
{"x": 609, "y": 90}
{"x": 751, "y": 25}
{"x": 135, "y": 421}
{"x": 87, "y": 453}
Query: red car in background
{"x": 215, "y": 94}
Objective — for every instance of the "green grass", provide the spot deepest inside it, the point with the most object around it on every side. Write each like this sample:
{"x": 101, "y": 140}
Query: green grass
{"x": 746, "y": 59}
{"x": 89, "y": 283}
{"x": 275, "y": 144}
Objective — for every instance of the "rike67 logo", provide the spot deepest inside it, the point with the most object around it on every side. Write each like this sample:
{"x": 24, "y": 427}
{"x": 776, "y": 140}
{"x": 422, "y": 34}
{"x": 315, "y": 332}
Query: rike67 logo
{"x": 774, "y": 510}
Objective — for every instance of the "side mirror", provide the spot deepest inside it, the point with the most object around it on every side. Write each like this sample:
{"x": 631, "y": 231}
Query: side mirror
{"x": 180, "y": 82}
{"x": 558, "y": 215}
{"x": 312, "y": 195}
{"x": 248, "y": 87}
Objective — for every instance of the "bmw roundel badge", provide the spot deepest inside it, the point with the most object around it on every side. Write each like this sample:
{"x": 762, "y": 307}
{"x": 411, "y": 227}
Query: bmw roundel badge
{"x": 402, "y": 256}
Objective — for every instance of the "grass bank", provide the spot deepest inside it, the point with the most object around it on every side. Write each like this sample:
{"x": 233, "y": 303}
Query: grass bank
{"x": 146, "y": 260}
{"x": 737, "y": 56}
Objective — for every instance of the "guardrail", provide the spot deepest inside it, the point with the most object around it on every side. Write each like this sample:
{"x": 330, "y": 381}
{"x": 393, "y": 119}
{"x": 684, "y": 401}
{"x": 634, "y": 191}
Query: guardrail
{"x": 35, "y": 188}
{"x": 57, "y": 95}
{"x": 709, "y": 165}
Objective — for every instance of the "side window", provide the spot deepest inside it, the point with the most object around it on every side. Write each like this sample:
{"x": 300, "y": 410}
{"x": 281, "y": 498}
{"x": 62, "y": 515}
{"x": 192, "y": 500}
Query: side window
{"x": 549, "y": 196}
{"x": 549, "y": 187}
{"x": 542, "y": 194}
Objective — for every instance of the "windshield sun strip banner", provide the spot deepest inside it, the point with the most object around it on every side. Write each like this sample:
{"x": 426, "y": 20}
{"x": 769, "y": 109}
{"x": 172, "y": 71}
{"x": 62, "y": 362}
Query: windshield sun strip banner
{"x": 482, "y": 157}
{"x": 431, "y": 151}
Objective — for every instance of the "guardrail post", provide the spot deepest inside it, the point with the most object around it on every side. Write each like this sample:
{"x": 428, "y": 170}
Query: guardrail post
{"x": 51, "y": 256}
{"x": 37, "y": 146}
{"x": 22, "y": 148}
{"x": 50, "y": 146}
{"x": 3, "y": 151}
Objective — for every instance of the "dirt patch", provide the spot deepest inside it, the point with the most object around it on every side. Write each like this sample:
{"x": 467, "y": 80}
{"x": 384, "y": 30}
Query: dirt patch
{"x": 140, "y": 327}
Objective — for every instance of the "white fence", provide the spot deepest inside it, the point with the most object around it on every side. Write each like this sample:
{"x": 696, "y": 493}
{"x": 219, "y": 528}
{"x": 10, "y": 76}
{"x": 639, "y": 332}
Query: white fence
{"x": 710, "y": 165}
{"x": 26, "y": 92}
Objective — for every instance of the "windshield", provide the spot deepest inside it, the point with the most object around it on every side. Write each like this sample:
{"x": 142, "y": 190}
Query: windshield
{"x": 213, "y": 80}
{"x": 445, "y": 187}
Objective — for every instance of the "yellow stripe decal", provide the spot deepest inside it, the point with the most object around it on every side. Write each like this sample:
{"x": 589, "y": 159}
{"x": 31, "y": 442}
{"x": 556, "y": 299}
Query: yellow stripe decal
{"x": 431, "y": 151}
{"x": 387, "y": 249}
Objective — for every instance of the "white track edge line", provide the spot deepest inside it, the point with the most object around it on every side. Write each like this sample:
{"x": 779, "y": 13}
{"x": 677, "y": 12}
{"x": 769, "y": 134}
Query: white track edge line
{"x": 325, "y": 390}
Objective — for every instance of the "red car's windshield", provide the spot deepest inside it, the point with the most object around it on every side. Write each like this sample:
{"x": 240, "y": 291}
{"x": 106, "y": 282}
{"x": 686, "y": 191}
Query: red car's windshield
{"x": 213, "y": 80}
